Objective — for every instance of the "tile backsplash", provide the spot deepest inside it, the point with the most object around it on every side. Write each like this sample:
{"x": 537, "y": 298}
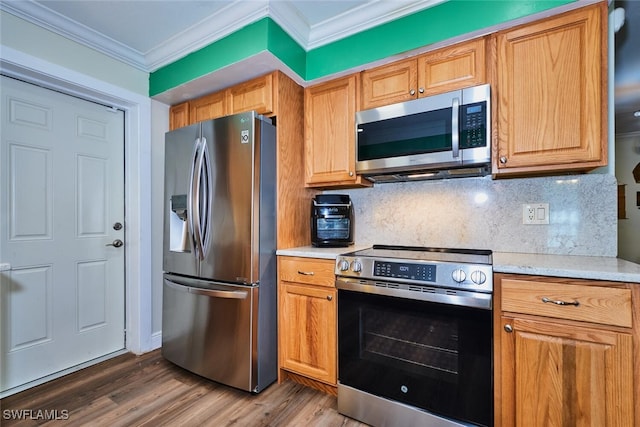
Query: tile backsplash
{"x": 482, "y": 213}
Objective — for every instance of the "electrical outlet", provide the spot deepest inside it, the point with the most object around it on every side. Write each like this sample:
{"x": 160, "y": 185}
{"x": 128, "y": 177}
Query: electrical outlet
{"x": 535, "y": 213}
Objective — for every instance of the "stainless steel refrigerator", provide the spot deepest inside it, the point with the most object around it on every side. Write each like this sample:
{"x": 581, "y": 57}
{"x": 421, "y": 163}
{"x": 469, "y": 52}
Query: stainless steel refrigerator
{"x": 219, "y": 293}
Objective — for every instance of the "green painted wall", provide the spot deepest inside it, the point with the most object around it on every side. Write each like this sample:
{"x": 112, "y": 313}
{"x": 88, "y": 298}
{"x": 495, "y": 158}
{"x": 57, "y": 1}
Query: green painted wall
{"x": 441, "y": 22}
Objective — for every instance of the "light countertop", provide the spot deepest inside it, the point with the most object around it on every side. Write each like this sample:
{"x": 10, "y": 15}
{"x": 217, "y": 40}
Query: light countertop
{"x": 580, "y": 267}
{"x": 323, "y": 253}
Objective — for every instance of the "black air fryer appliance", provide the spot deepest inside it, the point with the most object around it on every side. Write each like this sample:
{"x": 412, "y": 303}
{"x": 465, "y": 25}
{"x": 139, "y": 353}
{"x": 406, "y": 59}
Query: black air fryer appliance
{"x": 331, "y": 220}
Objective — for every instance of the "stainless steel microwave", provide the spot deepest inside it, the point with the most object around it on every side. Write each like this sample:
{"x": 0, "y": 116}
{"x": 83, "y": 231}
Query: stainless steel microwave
{"x": 446, "y": 135}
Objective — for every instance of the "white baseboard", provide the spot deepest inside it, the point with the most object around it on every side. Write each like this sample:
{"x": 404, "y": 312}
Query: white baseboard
{"x": 156, "y": 340}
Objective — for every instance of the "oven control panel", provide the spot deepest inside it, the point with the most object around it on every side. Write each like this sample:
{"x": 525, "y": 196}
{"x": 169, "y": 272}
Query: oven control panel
{"x": 477, "y": 277}
{"x": 402, "y": 270}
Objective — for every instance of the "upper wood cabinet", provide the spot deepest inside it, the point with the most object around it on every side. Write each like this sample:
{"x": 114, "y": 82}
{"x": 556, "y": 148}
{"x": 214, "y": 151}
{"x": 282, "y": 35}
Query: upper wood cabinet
{"x": 550, "y": 87}
{"x": 256, "y": 95}
{"x": 330, "y": 133}
{"x": 179, "y": 115}
{"x": 208, "y": 107}
{"x": 565, "y": 350}
{"x": 450, "y": 68}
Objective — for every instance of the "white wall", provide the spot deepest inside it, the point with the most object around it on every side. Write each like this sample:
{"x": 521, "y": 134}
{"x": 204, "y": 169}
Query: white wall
{"x": 628, "y": 158}
{"x": 160, "y": 121}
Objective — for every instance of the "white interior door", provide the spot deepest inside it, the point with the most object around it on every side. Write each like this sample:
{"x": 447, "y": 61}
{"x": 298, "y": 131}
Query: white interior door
{"x": 62, "y": 193}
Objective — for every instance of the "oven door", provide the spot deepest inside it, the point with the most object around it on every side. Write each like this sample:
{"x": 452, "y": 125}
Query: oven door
{"x": 433, "y": 356}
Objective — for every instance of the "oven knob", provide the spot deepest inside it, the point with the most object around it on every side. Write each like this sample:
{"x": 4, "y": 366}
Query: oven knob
{"x": 343, "y": 265}
{"x": 458, "y": 275}
{"x": 478, "y": 277}
{"x": 356, "y": 266}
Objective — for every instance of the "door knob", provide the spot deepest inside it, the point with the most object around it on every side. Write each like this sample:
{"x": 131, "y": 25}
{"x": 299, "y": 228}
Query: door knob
{"x": 116, "y": 243}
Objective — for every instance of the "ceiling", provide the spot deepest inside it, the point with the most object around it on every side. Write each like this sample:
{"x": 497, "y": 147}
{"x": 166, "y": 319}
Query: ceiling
{"x": 148, "y": 34}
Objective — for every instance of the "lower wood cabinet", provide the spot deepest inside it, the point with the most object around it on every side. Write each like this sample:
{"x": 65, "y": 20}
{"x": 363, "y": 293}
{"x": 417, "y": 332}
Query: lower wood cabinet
{"x": 565, "y": 352}
{"x": 307, "y": 328}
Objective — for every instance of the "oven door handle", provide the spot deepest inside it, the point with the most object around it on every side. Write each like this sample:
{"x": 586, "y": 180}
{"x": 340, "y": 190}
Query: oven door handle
{"x": 440, "y": 295}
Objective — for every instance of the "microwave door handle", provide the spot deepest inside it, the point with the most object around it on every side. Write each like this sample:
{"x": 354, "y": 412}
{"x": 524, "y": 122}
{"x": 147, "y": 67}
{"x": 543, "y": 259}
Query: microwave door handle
{"x": 455, "y": 132}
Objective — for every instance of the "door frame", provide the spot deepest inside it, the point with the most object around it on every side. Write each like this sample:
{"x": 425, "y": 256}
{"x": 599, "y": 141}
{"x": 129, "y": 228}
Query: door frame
{"x": 137, "y": 153}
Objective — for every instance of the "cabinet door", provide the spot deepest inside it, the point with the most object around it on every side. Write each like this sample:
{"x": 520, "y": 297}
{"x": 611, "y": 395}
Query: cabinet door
{"x": 330, "y": 132}
{"x": 390, "y": 84}
{"x": 179, "y": 116}
{"x": 254, "y": 95}
{"x": 565, "y": 375}
{"x": 308, "y": 331}
{"x": 552, "y": 103}
{"x": 451, "y": 68}
{"x": 208, "y": 107}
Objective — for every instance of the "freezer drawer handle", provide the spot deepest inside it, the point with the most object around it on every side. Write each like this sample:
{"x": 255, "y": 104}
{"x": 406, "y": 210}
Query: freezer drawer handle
{"x": 216, "y": 293}
{"x": 219, "y": 294}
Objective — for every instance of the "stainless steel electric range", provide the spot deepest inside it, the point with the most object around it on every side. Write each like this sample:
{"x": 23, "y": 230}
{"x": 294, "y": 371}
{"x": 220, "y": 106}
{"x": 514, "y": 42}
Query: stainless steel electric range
{"x": 415, "y": 336}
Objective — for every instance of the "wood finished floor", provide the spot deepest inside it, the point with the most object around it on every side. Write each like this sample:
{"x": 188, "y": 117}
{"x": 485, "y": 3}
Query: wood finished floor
{"x": 147, "y": 390}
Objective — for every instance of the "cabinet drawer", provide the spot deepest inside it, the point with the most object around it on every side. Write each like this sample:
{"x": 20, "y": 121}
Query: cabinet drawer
{"x": 596, "y": 304}
{"x": 312, "y": 271}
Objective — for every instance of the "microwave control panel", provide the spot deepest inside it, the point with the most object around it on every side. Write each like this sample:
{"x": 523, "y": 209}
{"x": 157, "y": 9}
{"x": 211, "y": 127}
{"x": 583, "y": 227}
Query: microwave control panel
{"x": 473, "y": 125}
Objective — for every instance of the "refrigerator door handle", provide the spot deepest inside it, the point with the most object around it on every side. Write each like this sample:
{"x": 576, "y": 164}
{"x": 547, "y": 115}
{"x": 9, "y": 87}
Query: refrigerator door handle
{"x": 194, "y": 198}
{"x": 214, "y": 293}
{"x": 207, "y": 186}
{"x": 190, "y": 218}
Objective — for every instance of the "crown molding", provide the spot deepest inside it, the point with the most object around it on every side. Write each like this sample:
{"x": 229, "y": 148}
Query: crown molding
{"x": 291, "y": 21}
{"x": 44, "y": 17}
{"x": 212, "y": 28}
{"x": 234, "y": 16}
{"x": 362, "y": 18}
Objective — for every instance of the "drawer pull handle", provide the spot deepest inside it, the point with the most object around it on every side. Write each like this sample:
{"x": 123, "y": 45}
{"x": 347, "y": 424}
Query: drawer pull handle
{"x": 558, "y": 302}
{"x": 306, "y": 273}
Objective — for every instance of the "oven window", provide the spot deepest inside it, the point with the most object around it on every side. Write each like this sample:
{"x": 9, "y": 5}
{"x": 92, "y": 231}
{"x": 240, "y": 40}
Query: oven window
{"x": 432, "y": 356}
{"x": 393, "y": 339}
